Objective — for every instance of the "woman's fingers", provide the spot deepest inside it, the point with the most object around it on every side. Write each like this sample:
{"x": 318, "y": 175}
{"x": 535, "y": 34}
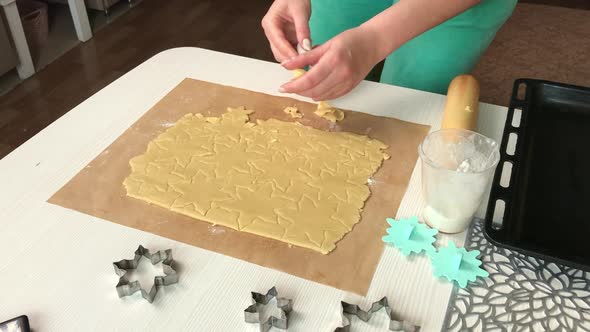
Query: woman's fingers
{"x": 337, "y": 66}
{"x": 308, "y": 81}
{"x": 330, "y": 77}
{"x": 280, "y": 43}
{"x": 335, "y": 85}
{"x": 307, "y": 59}
{"x": 302, "y": 30}
{"x": 276, "y": 53}
{"x": 286, "y": 25}
{"x": 319, "y": 91}
{"x": 343, "y": 83}
{"x": 273, "y": 30}
{"x": 324, "y": 81}
{"x": 336, "y": 93}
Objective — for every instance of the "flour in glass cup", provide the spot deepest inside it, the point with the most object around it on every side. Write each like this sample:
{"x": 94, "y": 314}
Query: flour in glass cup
{"x": 456, "y": 169}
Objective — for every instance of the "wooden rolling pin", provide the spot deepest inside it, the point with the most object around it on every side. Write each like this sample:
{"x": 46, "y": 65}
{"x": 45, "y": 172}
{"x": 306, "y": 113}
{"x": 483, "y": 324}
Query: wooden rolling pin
{"x": 462, "y": 104}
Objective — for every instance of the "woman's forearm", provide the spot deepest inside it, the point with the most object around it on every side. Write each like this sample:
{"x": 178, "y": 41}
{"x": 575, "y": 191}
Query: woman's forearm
{"x": 409, "y": 18}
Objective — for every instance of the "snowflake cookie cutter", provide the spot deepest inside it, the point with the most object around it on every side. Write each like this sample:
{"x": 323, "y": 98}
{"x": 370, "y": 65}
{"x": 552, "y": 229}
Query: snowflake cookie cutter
{"x": 457, "y": 264}
{"x": 410, "y": 236}
{"x": 354, "y": 310}
{"x": 252, "y": 314}
{"x": 126, "y": 288}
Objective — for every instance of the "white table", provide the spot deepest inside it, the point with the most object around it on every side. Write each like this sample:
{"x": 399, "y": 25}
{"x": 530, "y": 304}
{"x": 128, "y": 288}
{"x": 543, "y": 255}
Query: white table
{"x": 26, "y": 67}
{"x": 56, "y": 265}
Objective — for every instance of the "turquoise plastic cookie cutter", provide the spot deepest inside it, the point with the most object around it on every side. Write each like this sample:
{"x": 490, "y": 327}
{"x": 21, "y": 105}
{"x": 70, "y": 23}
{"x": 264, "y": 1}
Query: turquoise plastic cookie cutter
{"x": 410, "y": 236}
{"x": 457, "y": 264}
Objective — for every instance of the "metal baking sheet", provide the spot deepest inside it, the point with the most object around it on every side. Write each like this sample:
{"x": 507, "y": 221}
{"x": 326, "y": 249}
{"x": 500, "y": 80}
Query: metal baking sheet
{"x": 547, "y": 199}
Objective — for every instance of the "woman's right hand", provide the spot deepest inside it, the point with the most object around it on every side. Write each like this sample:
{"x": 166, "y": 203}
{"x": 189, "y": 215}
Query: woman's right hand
{"x": 285, "y": 25}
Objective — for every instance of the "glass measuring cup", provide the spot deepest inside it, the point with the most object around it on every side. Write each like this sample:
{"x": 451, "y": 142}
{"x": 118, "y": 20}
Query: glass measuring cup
{"x": 457, "y": 166}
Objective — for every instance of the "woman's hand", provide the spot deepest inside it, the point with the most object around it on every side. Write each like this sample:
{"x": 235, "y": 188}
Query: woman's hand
{"x": 342, "y": 62}
{"x": 285, "y": 25}
{"x": 339, "y": 65}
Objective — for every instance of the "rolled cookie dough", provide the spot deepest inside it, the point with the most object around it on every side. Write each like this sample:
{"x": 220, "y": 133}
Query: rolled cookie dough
{"x": 281, "y": 180}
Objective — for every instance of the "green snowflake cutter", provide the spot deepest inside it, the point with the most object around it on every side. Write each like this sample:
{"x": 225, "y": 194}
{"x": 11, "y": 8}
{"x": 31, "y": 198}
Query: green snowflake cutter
{"x": 457, "y": 264}
{"x": 409, "y": 235}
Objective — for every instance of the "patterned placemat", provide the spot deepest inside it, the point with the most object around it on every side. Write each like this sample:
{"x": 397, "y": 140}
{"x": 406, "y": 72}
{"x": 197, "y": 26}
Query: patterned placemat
{"x": 522, "y": 293}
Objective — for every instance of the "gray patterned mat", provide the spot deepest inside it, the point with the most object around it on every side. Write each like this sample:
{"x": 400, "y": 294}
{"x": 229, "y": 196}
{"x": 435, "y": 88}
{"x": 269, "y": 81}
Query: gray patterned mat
{"x": 522, "y": 293}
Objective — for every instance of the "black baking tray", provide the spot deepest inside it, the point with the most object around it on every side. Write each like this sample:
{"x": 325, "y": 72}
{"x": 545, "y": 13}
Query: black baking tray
{"x": 547, "y": 200}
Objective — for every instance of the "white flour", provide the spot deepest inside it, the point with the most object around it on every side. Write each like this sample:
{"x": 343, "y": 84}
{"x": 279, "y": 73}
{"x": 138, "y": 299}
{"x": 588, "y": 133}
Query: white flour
{"x": 454, "y": 179}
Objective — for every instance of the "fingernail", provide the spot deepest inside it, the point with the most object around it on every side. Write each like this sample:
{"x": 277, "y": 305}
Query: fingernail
{"x": 282, "y": 90}
{"x": 306, "y": 44}
{"x": 300, "y": 49}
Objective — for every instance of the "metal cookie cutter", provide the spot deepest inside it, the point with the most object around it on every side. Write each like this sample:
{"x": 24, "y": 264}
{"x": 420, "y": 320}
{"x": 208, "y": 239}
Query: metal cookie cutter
{"x": 354, "y": 310}
{"x": 252, "y": 313}
{"x": 126, "y": 288}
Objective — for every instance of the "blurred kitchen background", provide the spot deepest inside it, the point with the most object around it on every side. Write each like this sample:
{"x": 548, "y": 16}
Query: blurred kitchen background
{"x": 79, "y": 46}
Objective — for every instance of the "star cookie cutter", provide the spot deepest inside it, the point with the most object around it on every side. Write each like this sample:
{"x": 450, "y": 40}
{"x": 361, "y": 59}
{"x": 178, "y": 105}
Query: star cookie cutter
{"x": 457, "y": 264}
{"x": 354, "y": 310}
{"x": 126, "y": 288}
{"x": 252, "y": 314}
{"x": 410, "y": 236}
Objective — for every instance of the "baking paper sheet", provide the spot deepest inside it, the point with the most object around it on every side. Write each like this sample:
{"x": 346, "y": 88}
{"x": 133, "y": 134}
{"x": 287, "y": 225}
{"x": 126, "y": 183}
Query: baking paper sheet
{"x": 97, "y": 189}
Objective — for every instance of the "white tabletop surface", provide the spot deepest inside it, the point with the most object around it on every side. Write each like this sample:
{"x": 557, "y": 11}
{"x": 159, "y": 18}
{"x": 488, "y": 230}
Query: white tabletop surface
{"x": 56, "y": 264}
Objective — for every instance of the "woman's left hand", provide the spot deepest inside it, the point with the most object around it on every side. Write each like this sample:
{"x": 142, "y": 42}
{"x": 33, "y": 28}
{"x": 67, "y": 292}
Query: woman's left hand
{"x": 338, "y": 65}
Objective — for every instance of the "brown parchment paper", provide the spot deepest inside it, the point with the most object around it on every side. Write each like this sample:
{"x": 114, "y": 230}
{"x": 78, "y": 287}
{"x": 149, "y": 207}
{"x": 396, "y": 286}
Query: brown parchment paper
{"x": 97, "y": 189}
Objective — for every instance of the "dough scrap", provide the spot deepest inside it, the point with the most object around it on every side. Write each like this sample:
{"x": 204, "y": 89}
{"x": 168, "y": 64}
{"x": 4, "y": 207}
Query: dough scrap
{"x": 293, "y": 112}
{"x": 328, "y": 112}
{"x": 298, "y": 72}
{"x": 276, "y": 179}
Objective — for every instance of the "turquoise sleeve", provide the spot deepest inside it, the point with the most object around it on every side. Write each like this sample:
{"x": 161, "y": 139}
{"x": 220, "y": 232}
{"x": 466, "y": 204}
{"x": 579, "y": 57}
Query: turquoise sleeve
{"x": 430, "y": 61}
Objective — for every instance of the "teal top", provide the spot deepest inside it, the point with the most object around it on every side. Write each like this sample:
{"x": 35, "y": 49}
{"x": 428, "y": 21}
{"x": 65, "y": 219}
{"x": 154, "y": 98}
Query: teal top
{"x": 430, "y": 61}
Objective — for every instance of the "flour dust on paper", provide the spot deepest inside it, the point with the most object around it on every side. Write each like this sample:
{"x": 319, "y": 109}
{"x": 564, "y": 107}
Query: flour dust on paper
{"x": 276, "y": 179}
